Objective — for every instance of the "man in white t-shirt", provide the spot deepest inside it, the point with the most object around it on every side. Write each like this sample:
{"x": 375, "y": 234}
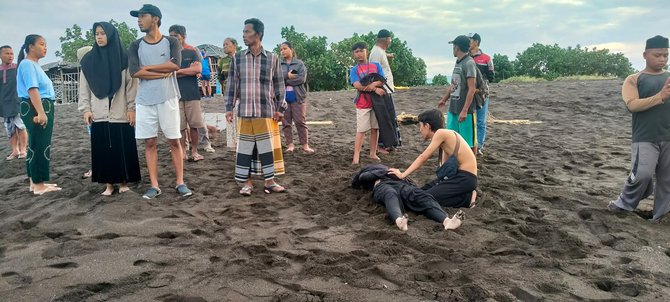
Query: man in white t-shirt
{"x": 378, "y": 54}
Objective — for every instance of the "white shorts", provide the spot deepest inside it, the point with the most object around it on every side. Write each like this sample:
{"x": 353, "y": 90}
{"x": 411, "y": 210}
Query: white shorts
{"x": 148, "y": 118}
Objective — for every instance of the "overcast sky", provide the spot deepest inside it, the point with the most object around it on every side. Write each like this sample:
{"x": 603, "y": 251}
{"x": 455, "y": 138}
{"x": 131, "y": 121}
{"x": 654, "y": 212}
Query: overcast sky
{"x": 506, "y": 26}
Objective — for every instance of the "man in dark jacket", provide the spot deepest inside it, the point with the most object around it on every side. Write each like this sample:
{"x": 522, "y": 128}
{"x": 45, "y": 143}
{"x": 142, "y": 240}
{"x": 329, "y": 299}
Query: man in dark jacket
{"x": 396, "y": 195}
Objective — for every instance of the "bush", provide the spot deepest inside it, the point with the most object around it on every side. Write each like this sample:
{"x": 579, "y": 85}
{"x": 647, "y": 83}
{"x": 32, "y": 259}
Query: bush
{"x": 522, "y": 79}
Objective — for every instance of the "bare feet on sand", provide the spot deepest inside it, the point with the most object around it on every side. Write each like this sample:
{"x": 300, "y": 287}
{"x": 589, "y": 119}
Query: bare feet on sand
{"x": 123, "y": 188}
{"x": 108, "y": 190}
{"x": 40, "y": 190}
{"x": 455, "y": 221}
{"x": 401, "y": 223}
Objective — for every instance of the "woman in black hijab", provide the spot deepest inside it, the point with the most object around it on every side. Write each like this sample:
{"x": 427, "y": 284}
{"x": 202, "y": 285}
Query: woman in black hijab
{"x": 107, "y": 98}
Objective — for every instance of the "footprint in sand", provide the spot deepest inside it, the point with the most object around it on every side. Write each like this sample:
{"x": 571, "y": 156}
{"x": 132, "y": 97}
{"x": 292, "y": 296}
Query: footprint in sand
{"x": 15, "y": 278}
{"x": 64, "y": 265}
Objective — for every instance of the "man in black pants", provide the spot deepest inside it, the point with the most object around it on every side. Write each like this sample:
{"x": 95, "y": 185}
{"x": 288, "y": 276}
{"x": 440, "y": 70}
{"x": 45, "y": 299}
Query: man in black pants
{"x": 396, "y": 195}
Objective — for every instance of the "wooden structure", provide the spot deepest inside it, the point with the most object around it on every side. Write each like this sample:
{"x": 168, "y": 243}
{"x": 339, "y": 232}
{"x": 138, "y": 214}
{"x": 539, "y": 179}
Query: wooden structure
{"x": 65, "y": 78}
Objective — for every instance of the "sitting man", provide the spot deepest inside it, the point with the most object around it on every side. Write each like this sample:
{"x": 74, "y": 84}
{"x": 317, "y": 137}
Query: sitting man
{"x": 396, "y": 195}
{"x": 457, "y": 174}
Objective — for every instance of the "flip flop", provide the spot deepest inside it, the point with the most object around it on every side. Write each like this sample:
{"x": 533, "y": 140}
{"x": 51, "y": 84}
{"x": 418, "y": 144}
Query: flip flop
{"x": 246, "y": 190}
{"x": 478, "y": 199}
{"x": 12, "y": 156}
{"x": 22, "y": 155}
{"x": 274, "y": 188}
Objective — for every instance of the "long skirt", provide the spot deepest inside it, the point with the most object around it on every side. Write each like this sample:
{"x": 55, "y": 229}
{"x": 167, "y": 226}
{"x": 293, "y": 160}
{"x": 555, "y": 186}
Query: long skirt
{"x": 258, "y": 149}
{"x": 114, "y": 153}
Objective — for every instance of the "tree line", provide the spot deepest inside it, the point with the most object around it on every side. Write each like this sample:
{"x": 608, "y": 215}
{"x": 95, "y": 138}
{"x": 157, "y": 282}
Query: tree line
{"x": 328, "y": 64}
{"x": 552, "y": 61}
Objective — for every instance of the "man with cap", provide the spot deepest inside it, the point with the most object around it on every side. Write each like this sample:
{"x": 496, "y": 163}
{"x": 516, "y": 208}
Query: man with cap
{"x": 485, "y": 65}
{"x": 646, "y": 95}
{"x": 378, "y": 54}
{"x": 460, "y": 94}
{"x": 154, "y": 59}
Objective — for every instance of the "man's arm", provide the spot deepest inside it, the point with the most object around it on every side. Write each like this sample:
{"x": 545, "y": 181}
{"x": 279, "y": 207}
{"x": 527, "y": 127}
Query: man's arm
{"x": 438, "y": 138}
{"x": 278, "y": 86}
{"x": 233, "y": 80}
{"x": 166, "y": 67}
{"x": 490, "y": 75}
{"x": 145, "y": 74}
{"x": 632, "y": 98}
{"x": 472, "y": 87}
{"x": 194, "y": 69}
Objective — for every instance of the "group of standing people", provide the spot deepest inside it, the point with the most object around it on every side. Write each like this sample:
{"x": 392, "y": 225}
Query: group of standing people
{"x": 127, "y": 94}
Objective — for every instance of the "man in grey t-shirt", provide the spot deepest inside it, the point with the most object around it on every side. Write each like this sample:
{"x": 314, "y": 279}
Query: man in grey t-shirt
{"x": 154, "y": 59}
{"x": 461, "y": 92}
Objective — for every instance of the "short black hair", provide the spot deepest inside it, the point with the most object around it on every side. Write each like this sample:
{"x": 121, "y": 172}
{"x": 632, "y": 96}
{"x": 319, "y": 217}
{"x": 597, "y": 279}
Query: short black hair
{"x": 433, "y": 117}
{"x": 359, "y": 45}
{"x": 258, "y": 26}
{"x": 4, "y": 46}
{"x": 178, "y": 29}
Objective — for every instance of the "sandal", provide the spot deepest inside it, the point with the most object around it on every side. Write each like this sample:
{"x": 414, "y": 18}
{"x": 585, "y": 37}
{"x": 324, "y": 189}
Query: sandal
{"x": 274, "y": 188}
{"x": 12, "y": 156}
{"x": 246, "y": 190}
{"x": 22, "y": 155}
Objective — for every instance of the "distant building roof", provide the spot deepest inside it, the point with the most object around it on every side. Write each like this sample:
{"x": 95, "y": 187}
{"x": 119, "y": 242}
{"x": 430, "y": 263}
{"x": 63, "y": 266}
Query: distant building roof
{"x": 60, "y": 65}
{"x": 212, "y": 50}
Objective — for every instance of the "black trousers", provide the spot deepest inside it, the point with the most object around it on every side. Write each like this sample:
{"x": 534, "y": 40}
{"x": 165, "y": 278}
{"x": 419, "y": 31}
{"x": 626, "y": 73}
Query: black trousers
{"x": 454, "y": 192}
{"x": 397, "y": 196}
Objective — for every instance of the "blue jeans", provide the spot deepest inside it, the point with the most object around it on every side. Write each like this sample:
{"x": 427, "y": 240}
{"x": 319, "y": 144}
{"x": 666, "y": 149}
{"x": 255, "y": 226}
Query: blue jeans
{"x": 481, "y": 123}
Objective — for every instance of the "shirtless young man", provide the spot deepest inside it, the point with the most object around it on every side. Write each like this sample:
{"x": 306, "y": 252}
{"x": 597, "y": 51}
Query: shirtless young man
{"x": 458, "y": 190}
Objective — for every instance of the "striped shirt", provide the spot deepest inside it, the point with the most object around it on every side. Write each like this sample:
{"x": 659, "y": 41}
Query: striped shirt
{"x": 258, "y": 83}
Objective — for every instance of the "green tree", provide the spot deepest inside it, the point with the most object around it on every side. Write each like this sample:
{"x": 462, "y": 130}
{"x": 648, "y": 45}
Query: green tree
{"x": 407, "y": 69}
{"x": 75, "y": 38}
{"x": 504, "y": 68}
{"x": 440, "y": 80}
{"x": 552, "y": 61}
{"x": 324, "y": 72}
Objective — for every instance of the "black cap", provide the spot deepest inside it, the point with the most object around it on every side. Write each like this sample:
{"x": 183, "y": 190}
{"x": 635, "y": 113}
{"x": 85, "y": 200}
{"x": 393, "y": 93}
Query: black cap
{"x": 476, "y": 37}
{"x": 147, "y": 9}
{"x": 463, "y": 43}
{"x": 657, "y": 42}
{"x": 383, "y": 34}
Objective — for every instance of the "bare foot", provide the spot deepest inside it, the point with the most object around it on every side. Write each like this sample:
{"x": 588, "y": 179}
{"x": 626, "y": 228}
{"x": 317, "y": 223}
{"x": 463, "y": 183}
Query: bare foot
{"x": 375, "y": 158}
{"x": 32, "y": 186}
{"x": 108, "y": 190}
{"x": 123, "y": 188}
{"x": 87, "y": 174}
{"x": 401, "y": 223}
{"x": 290, "y": 148}
{"x": 307, "y": 149}
{"x": 454, "y": 222}
{"x": 473, "y": 200}
{"x": 383, "y": 151}
{"x": 46, "y": 189}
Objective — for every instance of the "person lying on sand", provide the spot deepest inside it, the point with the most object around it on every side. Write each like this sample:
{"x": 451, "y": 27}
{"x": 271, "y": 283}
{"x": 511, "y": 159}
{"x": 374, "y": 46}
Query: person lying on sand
{"x": 457, "y": 175}
{"x": 396, "y": 195}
